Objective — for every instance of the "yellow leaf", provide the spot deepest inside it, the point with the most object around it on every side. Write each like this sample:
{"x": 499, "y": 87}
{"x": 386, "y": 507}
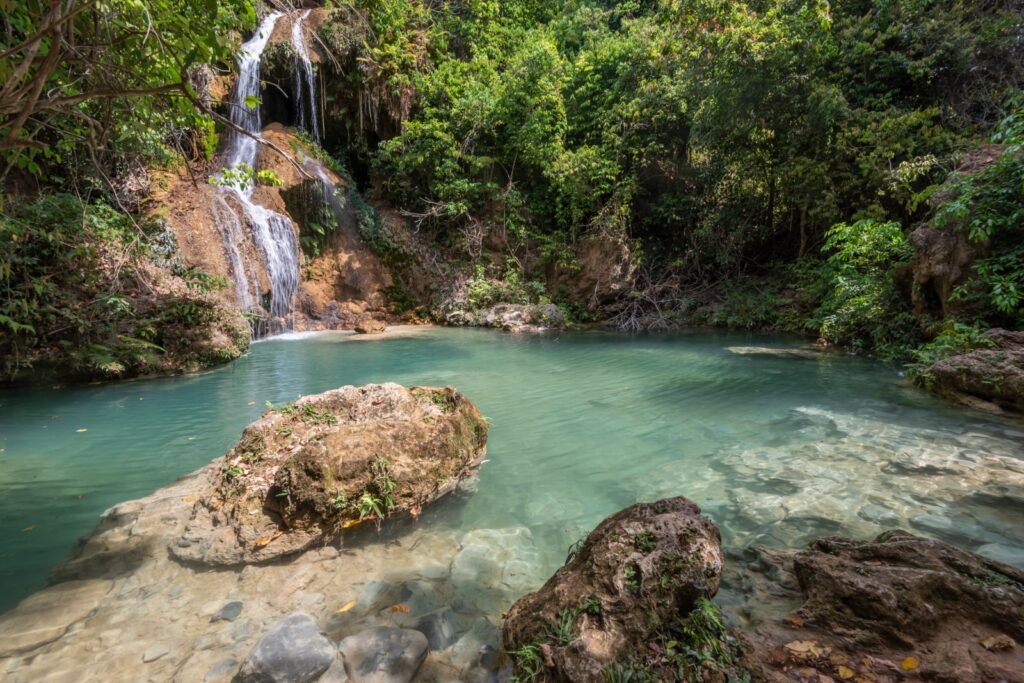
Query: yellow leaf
{"x": 350, "y": 523}
{"x": 264, "y": 541}
{"x": 188, "y": 499}
{"x": 30, "y": 527}
{"x": 845, "y": 673}
{"x": 403, "y": 609}
{"x": 910, "y": 663}
{"x": 346, "y": 607}
{"x": 81, "y": 430}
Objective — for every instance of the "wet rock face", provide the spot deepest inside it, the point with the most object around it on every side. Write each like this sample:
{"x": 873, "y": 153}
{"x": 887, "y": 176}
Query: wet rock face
{"x": 994, "y": 374}
{"x": 305, "y": 471}
{"x": 633, "y": 575}
{"x": 897, "y": 607}
{"x": 604, "y": 269}
{"x": 942, "y": 261}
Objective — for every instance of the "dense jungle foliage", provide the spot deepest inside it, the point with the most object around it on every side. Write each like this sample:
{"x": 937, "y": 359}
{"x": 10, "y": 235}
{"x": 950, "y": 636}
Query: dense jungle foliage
{"x": 767, "y": 160}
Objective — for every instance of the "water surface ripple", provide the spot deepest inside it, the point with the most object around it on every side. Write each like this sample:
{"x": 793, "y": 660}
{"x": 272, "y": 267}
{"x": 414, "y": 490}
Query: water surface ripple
{"x": 776, "y": 449}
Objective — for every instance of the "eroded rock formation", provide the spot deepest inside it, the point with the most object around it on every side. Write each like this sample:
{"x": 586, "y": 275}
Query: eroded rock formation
{"x": 305, "y": 471}
{"x": 631, "y": 578}
{"x": 895, "y": 608}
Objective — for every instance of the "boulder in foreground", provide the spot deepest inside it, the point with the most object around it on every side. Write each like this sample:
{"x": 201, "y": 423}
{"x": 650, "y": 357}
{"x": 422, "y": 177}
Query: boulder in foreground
{"x": 631, "y": 579}
{"x": 292, "y": 651}
{"x": 896, "y": 608}
{"x": 305, "y": 471}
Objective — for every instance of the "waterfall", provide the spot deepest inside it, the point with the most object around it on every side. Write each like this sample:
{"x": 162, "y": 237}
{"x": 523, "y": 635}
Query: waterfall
{"x": 272, "y": 233}
{"x": 305, "y": 81}
{"x": 231, "y": 237}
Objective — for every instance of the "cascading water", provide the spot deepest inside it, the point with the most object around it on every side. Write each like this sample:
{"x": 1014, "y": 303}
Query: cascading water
{"x": 272, "y": 233}
{"x": 305, "y": 81}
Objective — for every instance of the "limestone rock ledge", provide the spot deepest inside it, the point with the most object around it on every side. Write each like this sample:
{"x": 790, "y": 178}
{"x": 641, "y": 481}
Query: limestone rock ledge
{"x": 305, "y": 471}
{"x": 992, "y": 375}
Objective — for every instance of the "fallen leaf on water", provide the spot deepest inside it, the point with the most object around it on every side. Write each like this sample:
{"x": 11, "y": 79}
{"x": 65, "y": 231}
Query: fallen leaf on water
{"x": 400, "y": 608}
{"x": 81, "y": 430}
{"x": 346, "y": 607}
{"x": 252, "y": 403}
{"x": 264, "y": 541}
{"x": 910, "y": 663}
{"x": 30, "y": 527}
{"x": 845, "y": 673}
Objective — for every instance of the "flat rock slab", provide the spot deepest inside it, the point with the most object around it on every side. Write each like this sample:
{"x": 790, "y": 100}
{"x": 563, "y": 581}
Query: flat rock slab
{"x": 800, "y": 353}
{"x": 292, "y": 651}
{"x": 384, "y": 655}
{"x": 45, "y": 616}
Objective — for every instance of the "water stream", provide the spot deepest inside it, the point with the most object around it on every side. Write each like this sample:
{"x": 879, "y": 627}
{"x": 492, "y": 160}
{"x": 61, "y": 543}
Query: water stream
{"x": 776, "y": 450}
{"x": 272, "y": 233}
{"x": 305, "y": 81}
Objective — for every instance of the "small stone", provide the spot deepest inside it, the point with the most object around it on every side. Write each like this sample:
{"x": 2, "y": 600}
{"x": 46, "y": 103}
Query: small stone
{"x": 154, "y": 653}
{"x": 240, "y": 630}
{"x": 229, "y": 612}
{"x": 998, "y": 643}
{"x": 222, "y": 669}
{"x": 370, "y": 326}
{"x": 292, "y": 651}
{"x": 384, "y": 655}
{"x": 438, "y": 627}
{"x": 378, "y": 594}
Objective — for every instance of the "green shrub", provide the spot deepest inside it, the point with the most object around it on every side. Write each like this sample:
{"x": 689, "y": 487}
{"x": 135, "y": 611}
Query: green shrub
{"x": 863, "y": 308}
{"x": 954, "y": 339}
{"x": 988, "y": 205}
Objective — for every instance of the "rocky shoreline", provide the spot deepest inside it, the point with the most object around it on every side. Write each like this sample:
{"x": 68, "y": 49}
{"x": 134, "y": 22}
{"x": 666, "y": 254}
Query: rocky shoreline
{"x": 294, "y": 588}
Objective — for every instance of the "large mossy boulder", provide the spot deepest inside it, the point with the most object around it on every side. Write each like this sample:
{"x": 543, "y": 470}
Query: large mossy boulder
{"x": 305, "y": 471}
{"x": 634, "y": 577}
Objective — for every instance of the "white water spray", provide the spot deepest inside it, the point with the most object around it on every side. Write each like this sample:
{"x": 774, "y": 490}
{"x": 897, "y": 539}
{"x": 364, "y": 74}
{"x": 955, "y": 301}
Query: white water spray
{"x": 271, "y": 232}
{"x": 305, "y": 81}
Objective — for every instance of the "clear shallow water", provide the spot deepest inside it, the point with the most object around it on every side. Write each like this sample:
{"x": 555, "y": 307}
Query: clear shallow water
{"x": 777, "y": 450}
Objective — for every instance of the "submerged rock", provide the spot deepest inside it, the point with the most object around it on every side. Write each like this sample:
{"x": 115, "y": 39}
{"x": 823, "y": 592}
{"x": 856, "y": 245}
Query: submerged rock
{"x": 802, "y": 353}
{"x": 292, "y": 651}
{"x": 994, "y": 374}
{"x": 384, "y": 655}
{"x": 305, "y": 471}
{"x": 633, "y": 575}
